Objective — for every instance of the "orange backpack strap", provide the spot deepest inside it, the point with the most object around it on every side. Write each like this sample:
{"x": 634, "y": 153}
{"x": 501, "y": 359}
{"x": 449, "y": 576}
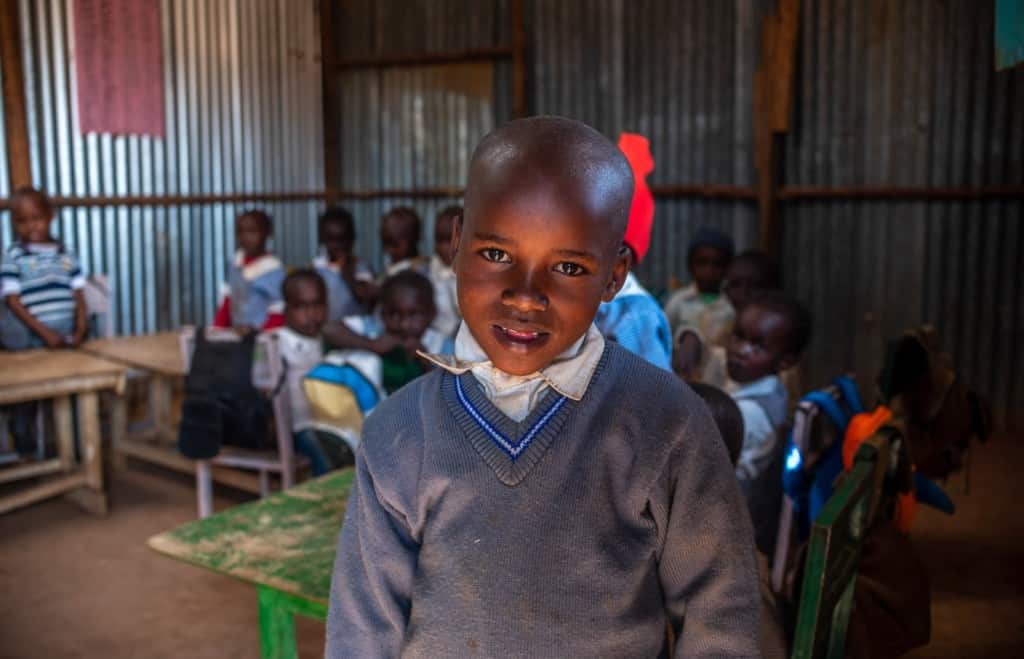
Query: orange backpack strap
{"x": 862, "y": 427}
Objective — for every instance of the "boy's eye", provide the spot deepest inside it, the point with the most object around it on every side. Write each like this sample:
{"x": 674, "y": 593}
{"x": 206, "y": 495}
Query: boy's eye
{"x": 495, "y": 255}
{"x": 570, "y": 269}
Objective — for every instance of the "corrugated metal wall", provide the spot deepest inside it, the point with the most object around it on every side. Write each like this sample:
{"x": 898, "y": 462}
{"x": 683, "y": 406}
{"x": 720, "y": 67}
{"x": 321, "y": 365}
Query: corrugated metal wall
{"x": 905, "y": 94}
{"x": 242, "y": 97}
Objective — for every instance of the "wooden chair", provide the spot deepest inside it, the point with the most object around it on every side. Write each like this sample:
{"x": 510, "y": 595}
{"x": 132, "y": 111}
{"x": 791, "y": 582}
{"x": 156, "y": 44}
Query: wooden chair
{"x": 837, "y": 537}
{"x": 268, "y": 369}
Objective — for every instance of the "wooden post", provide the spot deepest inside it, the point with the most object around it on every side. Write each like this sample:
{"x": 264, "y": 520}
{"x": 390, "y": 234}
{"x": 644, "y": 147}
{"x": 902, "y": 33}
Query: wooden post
{"x": 520, "y": 107}
{"x": 331, "y": 117}
{"x": 65, "y": 434}
{"x": 18, "y": 155}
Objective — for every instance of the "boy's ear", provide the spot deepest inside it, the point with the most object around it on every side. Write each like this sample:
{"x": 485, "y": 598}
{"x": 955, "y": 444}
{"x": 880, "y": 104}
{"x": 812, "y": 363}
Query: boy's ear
{"x": 456, "y": 239}
{"x": 623, "y": 263}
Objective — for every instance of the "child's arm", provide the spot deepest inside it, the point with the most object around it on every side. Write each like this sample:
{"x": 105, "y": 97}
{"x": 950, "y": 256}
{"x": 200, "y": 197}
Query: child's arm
{"x": 81, "y": 319}
{"x": 50, "y": 338}
{"x": 759, "y": 441}
{"x": 373, "y": 575}
{"x": 341, "y": 336}
{"x": 707, "y": 565}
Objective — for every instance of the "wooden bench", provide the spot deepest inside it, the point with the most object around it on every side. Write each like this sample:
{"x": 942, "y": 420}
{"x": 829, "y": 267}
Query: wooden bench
{"x": 284, "y": 545}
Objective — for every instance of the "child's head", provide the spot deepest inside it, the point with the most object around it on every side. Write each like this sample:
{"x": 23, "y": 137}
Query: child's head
{"x": 400, "y": 233}
{"x": 31, "y": 215}
{"x": 727, "y": 416}
{"x": 770, "y": 334}
{"x": 252, "y": 229}
{"x": 336, "y": 232}
{"x": 708, "y": 257}
{"x": 407, "y": 305}
{"x": 537, "y": 249}
{"x": 444, "y": 225}
{"x": 305, "y": 301}
{"x": 749, "y": 273}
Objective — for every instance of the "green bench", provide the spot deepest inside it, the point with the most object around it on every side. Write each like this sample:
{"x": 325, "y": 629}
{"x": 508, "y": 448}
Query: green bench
{"x": 284, "y": 545}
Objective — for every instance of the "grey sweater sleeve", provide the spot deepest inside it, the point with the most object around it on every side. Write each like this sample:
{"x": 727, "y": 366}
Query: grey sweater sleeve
{"x": 373, "y": 575}
{"x": 707, "y": 566}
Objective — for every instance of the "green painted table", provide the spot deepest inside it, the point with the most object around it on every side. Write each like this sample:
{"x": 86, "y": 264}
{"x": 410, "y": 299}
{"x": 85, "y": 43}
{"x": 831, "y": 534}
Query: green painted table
{"x": 284, "y": 544}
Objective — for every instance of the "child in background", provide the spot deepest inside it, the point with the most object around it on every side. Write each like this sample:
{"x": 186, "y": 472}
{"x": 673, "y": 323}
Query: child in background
{"x": 729, "y": 420}
{"x": 252, "y": 295}
{"x": 701, "y": 304}
{"x": 40, "y": 281}
{"x": 403, "y": 329}
{"x": 545, "y": 493}
{"x": 633, "y": 319}
{"x": 771, "y": 332}
{"x": 400, "y": 236}
{"x": 441, "y": 274}
{"x": 349, "y": 281}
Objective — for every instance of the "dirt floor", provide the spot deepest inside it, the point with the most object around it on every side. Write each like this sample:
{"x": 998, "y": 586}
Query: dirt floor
{"x": 75, "y": 586}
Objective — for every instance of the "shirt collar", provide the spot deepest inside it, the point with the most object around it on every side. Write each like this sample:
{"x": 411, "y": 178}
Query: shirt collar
{"x": 760, "y": 387}
{"x": 569, "y": 374}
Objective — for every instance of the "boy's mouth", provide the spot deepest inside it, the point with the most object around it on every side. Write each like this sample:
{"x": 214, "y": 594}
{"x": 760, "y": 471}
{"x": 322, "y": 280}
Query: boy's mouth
{"x": 524, "y": 338}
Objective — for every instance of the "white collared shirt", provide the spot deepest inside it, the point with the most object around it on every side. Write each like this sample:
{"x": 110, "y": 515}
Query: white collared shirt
{"x": 516, "y": 395}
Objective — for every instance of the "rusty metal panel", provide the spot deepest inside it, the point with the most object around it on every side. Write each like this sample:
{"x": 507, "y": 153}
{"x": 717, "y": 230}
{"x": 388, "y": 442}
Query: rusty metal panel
{"x": 905, "y": 94}
{"x": 242, "y": 102}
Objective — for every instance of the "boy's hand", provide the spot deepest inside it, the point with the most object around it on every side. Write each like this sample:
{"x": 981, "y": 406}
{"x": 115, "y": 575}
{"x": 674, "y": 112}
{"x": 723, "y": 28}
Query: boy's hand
{"x": 686, "y": 357}
{"x": 52, "y": 339}
{"x": 386, "y": 343}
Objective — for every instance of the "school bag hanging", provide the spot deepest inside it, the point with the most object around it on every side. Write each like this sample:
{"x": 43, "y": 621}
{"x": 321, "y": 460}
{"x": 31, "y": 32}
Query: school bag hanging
{"x": 222, "y": 407}
{"x": 342, "y": 390}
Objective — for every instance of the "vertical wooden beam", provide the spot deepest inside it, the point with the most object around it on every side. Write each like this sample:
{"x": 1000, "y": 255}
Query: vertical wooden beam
{"x": 331, "y": 118}
{"x": 18, "y": 155}
{"x": 520, "y": 107}
{"x": 773, "y": 104}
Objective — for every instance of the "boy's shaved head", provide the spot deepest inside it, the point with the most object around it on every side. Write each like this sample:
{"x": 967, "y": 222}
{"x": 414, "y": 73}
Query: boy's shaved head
{"x": 544, "y": 152}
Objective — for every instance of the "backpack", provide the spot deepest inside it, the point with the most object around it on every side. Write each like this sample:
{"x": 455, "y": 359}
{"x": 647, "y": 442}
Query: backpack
{"x": 222, "y": 407}
{"x": 342, "y": 391}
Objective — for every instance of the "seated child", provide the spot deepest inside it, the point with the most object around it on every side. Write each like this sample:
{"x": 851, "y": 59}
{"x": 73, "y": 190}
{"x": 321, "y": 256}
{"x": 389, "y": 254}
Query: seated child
{"x": 252, "y": 294}
{"x": 441, "y": 274}
{"x": 701, "y": 304}
{"x": 402, "y": 329}
{"x": 349, "y": 280}
{"x": 40, "y": 281}
{"x": 771, "y": 333}
{"x": 605, "y": 513}
{"x": 633, "y": 319}
{"x": 400, "y": 237}
{"x": 726, "y": 414}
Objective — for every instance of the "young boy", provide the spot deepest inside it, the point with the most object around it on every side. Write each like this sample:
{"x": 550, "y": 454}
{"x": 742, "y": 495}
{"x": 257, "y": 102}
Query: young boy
{"x": 546, "y": 493}
{"x": 633, "y": 319}
{"x": 441, "y": 274}
{"x": 41, "y": 282}
{"x": 748, "y": 274}
{"x": 252, "y": 295}
{"x": 771, "y": 333}
{"x": 701, "y": 304}
{"x": 349, "y": 281}
{"x": 400, "y": 236}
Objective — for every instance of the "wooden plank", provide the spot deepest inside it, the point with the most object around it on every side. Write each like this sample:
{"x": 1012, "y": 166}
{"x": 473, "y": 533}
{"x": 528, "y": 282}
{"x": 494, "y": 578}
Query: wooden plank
{"x": 168, "y": 457}
{"x": 63, "y": 430}
{"x": 15, "y": 118}
{"x": 287, "y": 541}
{"x": 425, "y": 58}
{"x": 29, "y": 367}
{"x": 41, "y": 492}
{"x": 91, "y": 442}
{"x": 159, "y": 353}
{"x": 330, "y": 109}
{"x": 31, "y": 470}
{"x": 520, "y": 104}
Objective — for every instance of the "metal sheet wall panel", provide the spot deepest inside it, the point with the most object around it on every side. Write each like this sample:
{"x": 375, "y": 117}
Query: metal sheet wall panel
{"x": 242, "y": 100}
{"x": 904, "y": 94}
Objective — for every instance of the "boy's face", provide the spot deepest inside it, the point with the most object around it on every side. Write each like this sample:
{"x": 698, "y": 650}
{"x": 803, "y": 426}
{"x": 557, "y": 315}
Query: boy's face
{"x": 406, "y": 314}
{"x": 251, "y": 234}
{"x": 533, "y": 264}
{"x": 399, "y": 238}
{"x": 759, "y": 344}
{"x": 443, "y": 238}
{"x": 305, "y": 309}
{"x": 742, "y": 278}
{"x": 707, "y": 265}
{"x": 337, "y": 238}
{"x": 31, "y": 219}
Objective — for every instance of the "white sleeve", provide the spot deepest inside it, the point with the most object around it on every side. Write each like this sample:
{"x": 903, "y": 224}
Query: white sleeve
{"x": 759, "y": 438}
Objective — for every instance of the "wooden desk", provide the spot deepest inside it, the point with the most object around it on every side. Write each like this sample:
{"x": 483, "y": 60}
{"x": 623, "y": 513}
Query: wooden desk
{"x": 285, "y": 545}
{"x": 58, "y": 374}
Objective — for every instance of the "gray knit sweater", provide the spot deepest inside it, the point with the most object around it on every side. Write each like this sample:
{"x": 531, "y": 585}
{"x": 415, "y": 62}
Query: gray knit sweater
{"x": 577, "y": 533}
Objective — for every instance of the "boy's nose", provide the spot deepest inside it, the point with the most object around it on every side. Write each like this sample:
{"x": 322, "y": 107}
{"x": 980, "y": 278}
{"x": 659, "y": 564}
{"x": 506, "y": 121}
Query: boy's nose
{"x": 525, "y": 299}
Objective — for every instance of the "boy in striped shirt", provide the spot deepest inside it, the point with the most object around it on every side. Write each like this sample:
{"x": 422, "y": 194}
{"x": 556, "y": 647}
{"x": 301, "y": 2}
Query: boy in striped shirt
{"x": 40, "y": 281}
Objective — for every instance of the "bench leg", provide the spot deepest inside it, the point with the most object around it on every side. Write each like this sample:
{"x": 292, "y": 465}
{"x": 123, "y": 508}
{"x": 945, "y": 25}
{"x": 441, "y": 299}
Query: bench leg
{"x": 277, "y": 621}
{"x": 204, "y": 488}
